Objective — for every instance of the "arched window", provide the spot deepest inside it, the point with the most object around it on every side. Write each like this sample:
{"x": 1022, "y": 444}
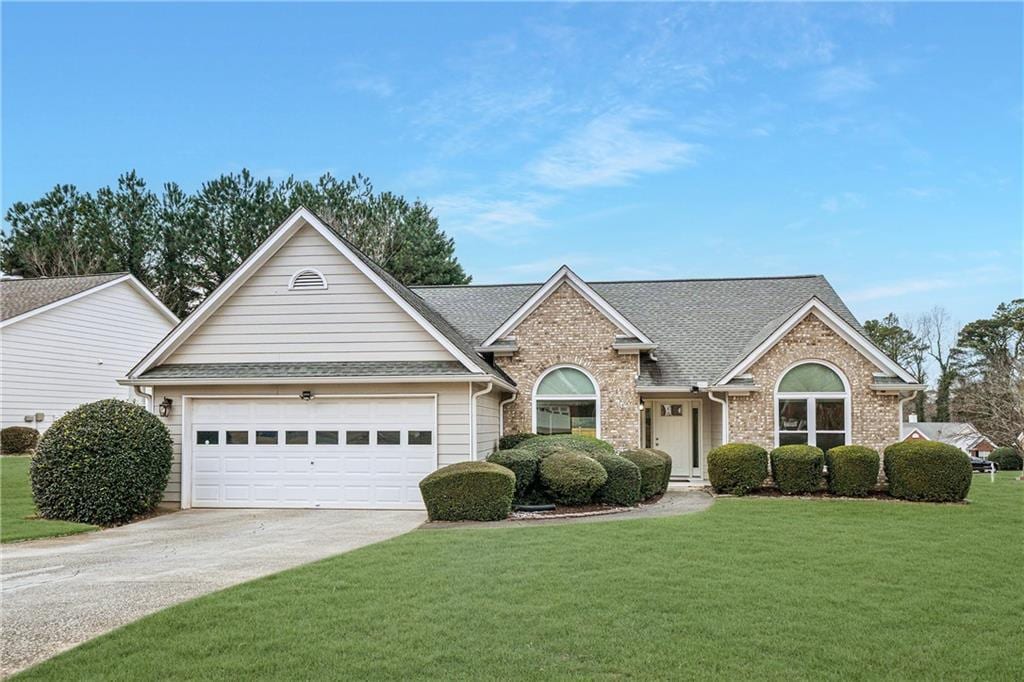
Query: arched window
{"x": 566, "y": 400}
{"x": 812, "y": 406}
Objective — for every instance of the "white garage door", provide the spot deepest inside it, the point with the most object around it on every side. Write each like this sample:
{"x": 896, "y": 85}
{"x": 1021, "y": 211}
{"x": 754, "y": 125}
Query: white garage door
{"x": 357, "y": 453}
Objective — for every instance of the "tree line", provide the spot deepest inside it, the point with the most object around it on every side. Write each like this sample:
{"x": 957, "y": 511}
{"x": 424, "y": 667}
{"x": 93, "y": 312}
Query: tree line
{"x": 183, "y": 245}
{"x": 979, "y": 367}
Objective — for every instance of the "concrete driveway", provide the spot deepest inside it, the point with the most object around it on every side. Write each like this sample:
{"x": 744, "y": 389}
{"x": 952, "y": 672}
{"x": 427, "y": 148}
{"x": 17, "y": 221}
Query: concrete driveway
{"x": 61, "y": 592}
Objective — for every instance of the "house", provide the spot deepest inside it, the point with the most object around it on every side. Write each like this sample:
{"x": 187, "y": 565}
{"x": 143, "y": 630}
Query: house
{"x": 959, "y": 434}
{"x": 65, "y": 341}
{"x": 312, "y": 378}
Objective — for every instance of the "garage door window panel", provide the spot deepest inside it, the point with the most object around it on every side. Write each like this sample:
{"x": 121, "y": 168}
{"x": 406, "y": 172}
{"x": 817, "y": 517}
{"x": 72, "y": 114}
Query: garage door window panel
{"x": 326, "y": 437}
{"x": 357, "y": 438}
{"x": 207, "y": 437}
{"x": 296, "y": 437}
{"x": 421, "y": 438}
{"x": 389, "y": 438}
{"x": 266, "y": 437}
{"x": 234, "y": 437}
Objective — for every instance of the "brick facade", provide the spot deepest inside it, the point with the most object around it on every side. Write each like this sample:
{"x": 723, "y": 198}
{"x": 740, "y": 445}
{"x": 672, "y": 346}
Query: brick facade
{"x": 874, "y": 417}
{"x": 567, "y": 329}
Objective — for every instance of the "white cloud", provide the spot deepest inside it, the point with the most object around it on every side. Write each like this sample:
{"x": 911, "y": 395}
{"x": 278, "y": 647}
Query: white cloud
{"x": 611, "y": 149}
{"x": 840, "y": 82}
{"x": 355, "y": 76}
{"x": 900, "y": 288}
{"x": 491, "y": 218}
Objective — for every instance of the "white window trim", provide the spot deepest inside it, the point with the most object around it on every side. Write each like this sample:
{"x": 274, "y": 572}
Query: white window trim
{"x": 812, "y": 398}
{"x": 596, "y": 396}
{"x": 302, "y": 271}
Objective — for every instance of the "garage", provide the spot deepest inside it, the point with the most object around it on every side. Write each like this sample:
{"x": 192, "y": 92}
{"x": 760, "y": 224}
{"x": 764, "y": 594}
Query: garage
{"x": 328, "y": 452}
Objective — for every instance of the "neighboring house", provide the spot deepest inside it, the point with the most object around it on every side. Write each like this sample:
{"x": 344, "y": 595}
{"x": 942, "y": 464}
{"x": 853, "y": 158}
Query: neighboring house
{"x": 313, "y": 378}
{"x": 65, "y": 341}
{"x": 959, "y": 434}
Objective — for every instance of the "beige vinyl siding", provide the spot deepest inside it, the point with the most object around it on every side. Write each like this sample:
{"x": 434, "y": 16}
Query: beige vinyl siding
{"x": 452, "y": 413}
{"x": 352, "y": 320}
{"x": 487, "y": 423}
{"x": 74, "y": 353}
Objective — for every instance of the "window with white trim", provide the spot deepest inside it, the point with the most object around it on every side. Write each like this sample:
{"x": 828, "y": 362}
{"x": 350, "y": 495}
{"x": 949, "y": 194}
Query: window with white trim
{"x": 566, "y": 401}
{"x": 812, "y": 407}
{"x": 307, "y": 278}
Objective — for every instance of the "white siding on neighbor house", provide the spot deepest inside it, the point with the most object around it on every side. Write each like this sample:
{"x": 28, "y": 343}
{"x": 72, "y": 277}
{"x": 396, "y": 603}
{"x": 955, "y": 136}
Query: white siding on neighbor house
{"x": 487, "y": 422}
{"x": 352, "y": 320}
{"x": 452, "y": 413}
{"x": 74, "y": 353}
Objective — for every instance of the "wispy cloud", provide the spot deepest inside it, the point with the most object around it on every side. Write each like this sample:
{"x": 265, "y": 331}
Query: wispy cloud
{"x": 508, "y": 218}
{"x": 842, "y": 202}
{"x": 900, "y": 288}
{"x": 840, "y": 82}
{"x": 610, "y": 150}
{"x": 360, "y": 78}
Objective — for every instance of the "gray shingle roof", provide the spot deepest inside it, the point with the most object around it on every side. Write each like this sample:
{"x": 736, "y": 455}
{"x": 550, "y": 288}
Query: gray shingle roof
{"x": 702, "y": 326}
{"x": 960, "y": 434}
{"x": 256, "y": 370}
{"x": 19, "y": 296}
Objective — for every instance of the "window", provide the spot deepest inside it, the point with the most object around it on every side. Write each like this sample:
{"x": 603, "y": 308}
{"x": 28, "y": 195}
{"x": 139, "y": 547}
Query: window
{"x": 812, "y": 403}
{"x": 357, "y": 438}
{"x": 307, "y": 278}
{"x": 421, "y": 437}
{"x": 296, "y": 437}
{"x": 207, "y": 437}
{"x": 266, "y": 438}
{"x": 326, "y": 437}
{"x": 236, "y": 437}
{"x": 389, "y": 438}
{"x": 566, "y": 401}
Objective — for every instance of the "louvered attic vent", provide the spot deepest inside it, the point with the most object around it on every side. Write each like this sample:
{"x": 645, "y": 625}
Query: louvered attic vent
{"x": 308, "y": 279}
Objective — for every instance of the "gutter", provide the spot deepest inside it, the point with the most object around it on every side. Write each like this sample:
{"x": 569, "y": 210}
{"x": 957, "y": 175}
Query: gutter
{"x": 229, "y": 381}
{"x": 472, "y": 414}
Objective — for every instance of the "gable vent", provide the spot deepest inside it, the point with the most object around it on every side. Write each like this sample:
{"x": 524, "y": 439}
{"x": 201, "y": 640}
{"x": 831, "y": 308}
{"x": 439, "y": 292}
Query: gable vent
{"x": 308, "y": 279}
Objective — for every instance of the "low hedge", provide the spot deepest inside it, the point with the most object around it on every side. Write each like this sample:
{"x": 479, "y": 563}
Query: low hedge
{"x": 927, "y": 471}
{"x": 655, "y": 467}
{"x": 469, "y": 491}
{"x": 852, "y": 470}
{"x": 103, "y": 463}
{"x": 623, "y": 484}
{"x": 737, "y": 468}
{"x": 522, "y": 463}
{"x": 514, "y": 439}
{"x": 584, "y": 445}
{"x": 17, "y": 440}
{"x": 571, "y": 478}
{"x": 1007, "y": 459}
{"x": 797, "y": 469}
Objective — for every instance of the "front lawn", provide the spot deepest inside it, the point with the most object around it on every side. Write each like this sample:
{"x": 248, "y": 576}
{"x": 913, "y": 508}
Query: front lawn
{"x": 17, "y": 511}
{"x": 753, "y": 588}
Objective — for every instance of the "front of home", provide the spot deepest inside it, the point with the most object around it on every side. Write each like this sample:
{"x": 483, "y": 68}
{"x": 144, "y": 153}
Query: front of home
{"x": 962, "y": 435}
{"x": 311, "y": 378}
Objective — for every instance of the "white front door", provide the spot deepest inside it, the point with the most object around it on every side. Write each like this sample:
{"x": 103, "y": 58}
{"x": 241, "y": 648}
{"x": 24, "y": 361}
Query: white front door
{"x": 356, "y": 453}
{"x": 677, "y": 431}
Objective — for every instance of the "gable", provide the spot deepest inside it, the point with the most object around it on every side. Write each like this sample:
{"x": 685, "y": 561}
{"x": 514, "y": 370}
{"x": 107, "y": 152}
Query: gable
{"x": 352, "y": 320}
{"x": 574, "y": 318}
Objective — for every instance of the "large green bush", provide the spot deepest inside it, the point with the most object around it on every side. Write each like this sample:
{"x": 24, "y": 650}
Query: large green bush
{"x": 655, "y": 467}
{"x": 852, "y": 470}
{"x": 797, "y": 469}
{"x": 469, "y": 491}
{"x": 927, "y": 471}
{"x": 1007, "y": 459}
{"x": 104, "y": 463}
{"x": 584, "y": 445}
{"x": 17, "y": 440}
{"x": 514, "y": 439}
{"x": 571, "y": 478}
{"x": 737, "y": 468}
{"x": 523, "y": 463}
{"x": 623, "y": 484}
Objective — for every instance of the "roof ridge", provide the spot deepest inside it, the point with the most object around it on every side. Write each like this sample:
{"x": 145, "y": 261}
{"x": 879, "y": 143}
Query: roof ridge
{"x": 8, "y": 278}
{"x": 621, "y": 281}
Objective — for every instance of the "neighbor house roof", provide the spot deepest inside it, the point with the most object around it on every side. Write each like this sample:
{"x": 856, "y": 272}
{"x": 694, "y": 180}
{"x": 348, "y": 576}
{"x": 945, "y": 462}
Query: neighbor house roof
{"x": 702, "y": 327}
{"x": 960, "y": 434}
{"x": 19, "y": 296}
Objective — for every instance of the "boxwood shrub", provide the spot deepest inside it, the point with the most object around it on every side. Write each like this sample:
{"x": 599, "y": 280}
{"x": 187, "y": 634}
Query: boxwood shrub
{"x": 927, "y": 471}
{"x": 654, "y": 470}
{"x": 737, "y": 468}
{"x": 571, "y": 478}
{"x": 623, "y": 484}
{"x": 513, "y": 439}
{"x": 666, "y": 460}
{"x": 852, "y": 470}
{"x": 104, "y": 463}
{"x": 584, "y": 445}
{"x": 17, "y": 440}
{"x": 1006, "y": 459}
{"x": 469, "y": 491}
{"x": 522, "y": 463}
{"x": 797, "y": 469}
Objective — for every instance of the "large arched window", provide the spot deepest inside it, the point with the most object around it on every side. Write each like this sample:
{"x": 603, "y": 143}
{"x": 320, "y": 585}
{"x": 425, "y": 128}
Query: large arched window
{"x": 812, "y": 402}
{"x": 566, "y": 400}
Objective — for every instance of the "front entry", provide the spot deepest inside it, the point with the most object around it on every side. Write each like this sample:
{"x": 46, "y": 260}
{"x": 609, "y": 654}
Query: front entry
{"x": 676, "y": 427}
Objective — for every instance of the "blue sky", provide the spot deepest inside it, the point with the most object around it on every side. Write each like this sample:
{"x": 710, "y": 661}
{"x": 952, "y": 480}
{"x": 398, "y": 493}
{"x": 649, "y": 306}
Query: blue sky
{"x": 878, "y": 144}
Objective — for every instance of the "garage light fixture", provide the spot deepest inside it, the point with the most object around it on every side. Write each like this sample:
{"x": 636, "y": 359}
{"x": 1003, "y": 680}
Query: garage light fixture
{"x": 306, "y": 395}
{"x": 165, "y": 407}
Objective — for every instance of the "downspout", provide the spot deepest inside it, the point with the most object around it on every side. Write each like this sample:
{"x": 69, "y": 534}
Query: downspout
{"x": 724, "y": 402}
{"x": 501, "y": 414}
{"x": 147, "y": 398}
{"x": 903, "y": 401}
{"x": 472, "y": 414}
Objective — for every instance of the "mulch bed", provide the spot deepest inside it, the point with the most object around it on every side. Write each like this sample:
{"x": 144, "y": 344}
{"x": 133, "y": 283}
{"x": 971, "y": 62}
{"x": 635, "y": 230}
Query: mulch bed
{"x": 566, "y": 512}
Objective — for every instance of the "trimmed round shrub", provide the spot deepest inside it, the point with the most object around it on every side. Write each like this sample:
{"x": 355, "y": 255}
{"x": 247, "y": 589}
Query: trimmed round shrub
{"x": 522, "y": 463}
{"x": 654, "y": 470}
{"x": 927, "y": 471}
{"x": 571, "y": 478}
{"x": 797, "y": 469}
{"x": 737, "y": 468}
{"x": 512, "y": 440}
{"x": 852, "y": 470}
{"x": 469, "y": 491}
{"x": 1007, "y": 459}
{"x": 623, "y": 484}
{"x": 104, "y": 463}
{"x": 584, "y": 445}
{"x": 17, "y": 440}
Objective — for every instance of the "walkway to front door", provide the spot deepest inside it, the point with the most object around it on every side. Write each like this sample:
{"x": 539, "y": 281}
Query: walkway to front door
{"x": 677, "y": 426}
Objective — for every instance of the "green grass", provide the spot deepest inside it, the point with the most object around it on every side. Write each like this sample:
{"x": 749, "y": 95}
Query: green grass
{"x": 17, "y": 510}
{"x": 754, "y": 588}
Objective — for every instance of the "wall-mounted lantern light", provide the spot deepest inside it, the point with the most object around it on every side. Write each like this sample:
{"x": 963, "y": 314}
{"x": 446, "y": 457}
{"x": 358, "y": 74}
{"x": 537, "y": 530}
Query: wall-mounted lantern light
{"x": 165, "y": 407}
{"x": 306, "y": 395}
